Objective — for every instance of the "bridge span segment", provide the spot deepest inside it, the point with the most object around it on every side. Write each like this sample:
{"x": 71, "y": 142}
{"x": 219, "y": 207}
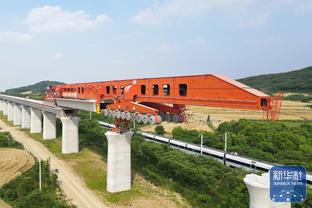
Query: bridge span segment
{"x": 40, "y": 117}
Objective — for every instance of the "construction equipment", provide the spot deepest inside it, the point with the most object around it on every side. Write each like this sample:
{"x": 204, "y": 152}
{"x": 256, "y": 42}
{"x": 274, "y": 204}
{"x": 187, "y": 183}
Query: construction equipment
{"x": 152, "y": 100}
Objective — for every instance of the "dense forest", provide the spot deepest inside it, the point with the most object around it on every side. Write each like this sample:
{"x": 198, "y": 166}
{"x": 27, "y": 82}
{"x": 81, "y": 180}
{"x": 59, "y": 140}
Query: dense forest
{"x": 23, "y": 191}
{"x": 38, "y": 88}
{"x": 284, "y": 142}
{"x": 294, "y": 81}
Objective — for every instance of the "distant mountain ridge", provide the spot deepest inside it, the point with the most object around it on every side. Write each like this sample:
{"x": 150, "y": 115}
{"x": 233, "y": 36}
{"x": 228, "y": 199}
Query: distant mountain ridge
{"x": 298, "y": 81}
{"x": 37, "y": 88}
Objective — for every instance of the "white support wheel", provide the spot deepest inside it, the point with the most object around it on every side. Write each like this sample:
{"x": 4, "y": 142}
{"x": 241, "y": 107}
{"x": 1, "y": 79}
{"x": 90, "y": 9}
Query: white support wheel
{"x": 163, "y": 115}
{"x": 123, "y": 115}
{"x": 176, "y": 118}
{"x": 152, "y": 120}
{"x": 168, "y": 117}
{"x": 110, "y": 113}
{"x": 118, "y": 114}
{"x": 145, "y": 119}
{"x": 133, "y": 116}
{"x": 139, "y": 118}
{"x": 105, "y": 112}
{"x": 128, "y": 116}
{"x": 158, "y": 119}
{"x": 114, "y": 114}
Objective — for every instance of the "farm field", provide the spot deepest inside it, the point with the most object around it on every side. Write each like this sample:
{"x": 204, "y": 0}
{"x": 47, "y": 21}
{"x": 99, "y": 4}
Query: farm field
{"x": 3, "y": 204}
{"x": 197, "y": 116}
{"x": 13, "y": 162}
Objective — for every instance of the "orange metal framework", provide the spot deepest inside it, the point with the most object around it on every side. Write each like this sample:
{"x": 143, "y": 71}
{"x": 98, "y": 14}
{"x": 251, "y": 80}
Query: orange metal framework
{"x": 166, "y": 97}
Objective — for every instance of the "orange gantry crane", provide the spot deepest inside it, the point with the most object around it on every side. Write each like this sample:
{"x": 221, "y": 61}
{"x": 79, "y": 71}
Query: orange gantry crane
{"x": 152, "y": 100}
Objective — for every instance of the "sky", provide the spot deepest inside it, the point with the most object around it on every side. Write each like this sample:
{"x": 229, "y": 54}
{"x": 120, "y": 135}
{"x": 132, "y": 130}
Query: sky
{"x": 98, "y": 40}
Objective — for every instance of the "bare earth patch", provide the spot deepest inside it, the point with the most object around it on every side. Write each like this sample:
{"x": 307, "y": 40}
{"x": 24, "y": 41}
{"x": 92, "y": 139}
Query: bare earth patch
{"x": 291, "y": 110}
{"x": 13, "y": 162}
{"x": 3, "y": 204}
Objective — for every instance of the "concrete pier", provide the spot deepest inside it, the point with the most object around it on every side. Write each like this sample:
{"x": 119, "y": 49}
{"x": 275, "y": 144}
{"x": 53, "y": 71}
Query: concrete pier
{"x": 49, "y": 125}
{"x": 118, "y": 161}
{"x": 17, "y": 120}
{"x": 35, "y": 120}
{"x": 26, "y": 117}
{"x": 5, "y": 108}
{"x": 10, "y": 111}
{"x": 70, "y": 135}
{"x": 259, "y": 192}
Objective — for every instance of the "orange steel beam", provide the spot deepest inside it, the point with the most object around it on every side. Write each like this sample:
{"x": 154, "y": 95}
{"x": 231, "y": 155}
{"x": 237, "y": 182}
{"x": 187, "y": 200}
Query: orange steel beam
{"x": 170, "y": 94}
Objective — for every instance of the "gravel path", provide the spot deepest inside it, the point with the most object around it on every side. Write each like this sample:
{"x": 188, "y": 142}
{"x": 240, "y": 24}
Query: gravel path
{"x": 72, "y": 186}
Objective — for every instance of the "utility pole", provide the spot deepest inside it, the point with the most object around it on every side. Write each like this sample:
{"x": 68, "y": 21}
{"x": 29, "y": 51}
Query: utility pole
{"x": 225, "y": 141}
{"x": 201, "y": 144}
{"x": 40, "y": 174}
{"x": 225, "y": 148}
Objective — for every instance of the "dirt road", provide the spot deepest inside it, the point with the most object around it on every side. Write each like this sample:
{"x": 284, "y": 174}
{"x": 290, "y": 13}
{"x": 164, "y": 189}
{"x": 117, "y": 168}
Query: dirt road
{"x": 72, "y": 186}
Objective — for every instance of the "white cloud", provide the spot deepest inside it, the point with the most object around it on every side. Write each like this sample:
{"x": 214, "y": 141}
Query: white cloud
{"x": 186, "y": 8}
{"x": 55, "y": 19}
{"x": 166, "y": 47}
{"x": 258, "y": 20}
{"x": 15, "y": 37}
{"x": 59, "y": 56}
{"x": 258, "y": 11}
{"x": 197, "y": 42}
{"x": 304, "y": 8}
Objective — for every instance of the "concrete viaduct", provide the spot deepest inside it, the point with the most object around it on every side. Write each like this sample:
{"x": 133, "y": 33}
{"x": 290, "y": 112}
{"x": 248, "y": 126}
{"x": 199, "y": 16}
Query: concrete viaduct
{"x": 40, "y": 117}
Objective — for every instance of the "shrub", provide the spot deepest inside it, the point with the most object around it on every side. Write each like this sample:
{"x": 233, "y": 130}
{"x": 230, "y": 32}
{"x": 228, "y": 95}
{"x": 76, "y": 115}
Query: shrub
{"x": 160, "y": 130}
{"x": 6, "y": 140}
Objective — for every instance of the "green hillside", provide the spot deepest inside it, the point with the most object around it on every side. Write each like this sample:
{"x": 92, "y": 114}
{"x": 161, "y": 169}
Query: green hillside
{"x": 37, "y": 88}
{"x": 299, "y": 81}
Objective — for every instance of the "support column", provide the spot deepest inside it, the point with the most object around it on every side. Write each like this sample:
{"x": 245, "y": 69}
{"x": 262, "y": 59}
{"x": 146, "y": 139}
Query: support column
{"x": 70, "y": 135}
{"x": 259, "y": 192}
{"x": 26, "y": 117}
{"x": 49, "y": 125}
{"x": 35, "y": 120}
{"x": 118, "y": 161}
{"x": 5, "y": 108}
{"x": 17, "y": 118}
{"x": 10, "y": 111}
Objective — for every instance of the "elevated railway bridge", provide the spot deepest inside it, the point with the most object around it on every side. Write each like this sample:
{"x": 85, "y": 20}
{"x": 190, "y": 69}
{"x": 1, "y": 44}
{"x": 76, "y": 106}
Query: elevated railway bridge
{"x": 148, "y": 100}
